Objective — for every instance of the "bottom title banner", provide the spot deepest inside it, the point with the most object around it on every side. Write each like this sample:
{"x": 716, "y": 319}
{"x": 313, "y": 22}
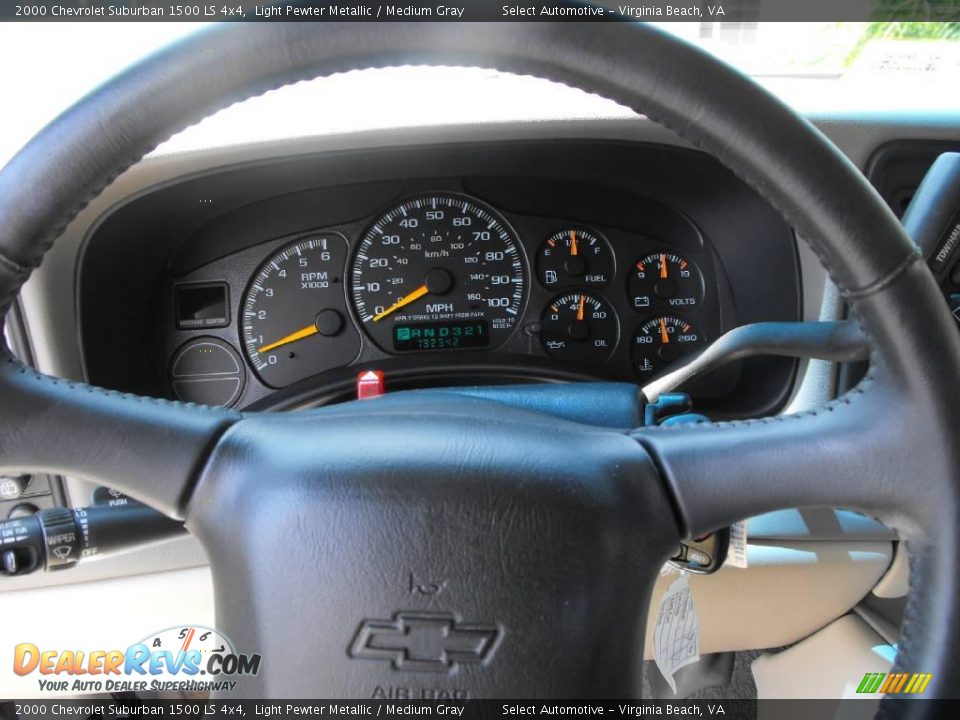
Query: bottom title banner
{"x": 780, "y": 709}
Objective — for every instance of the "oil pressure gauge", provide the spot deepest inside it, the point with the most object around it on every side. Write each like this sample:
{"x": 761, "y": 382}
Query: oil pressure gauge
{"x": 574, "y": 256}
{"x": 579, "y": 327}
{"x": 664, "y": 279}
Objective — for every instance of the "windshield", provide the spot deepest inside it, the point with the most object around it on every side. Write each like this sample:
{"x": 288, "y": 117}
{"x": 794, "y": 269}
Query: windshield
{"x": 834, "y": 49}
{"x": 816, "y": 67}
{"x": 841, "y": 66}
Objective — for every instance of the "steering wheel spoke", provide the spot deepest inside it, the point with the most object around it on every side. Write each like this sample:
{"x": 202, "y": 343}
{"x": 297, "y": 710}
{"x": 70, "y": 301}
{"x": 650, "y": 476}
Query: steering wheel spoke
{"x": 840, "y": 455}
{"x": 150, "y": 449}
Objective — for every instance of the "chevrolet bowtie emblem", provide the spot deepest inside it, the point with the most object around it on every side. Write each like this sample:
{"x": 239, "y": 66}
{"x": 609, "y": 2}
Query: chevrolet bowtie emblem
{"x": 433, "y": 642}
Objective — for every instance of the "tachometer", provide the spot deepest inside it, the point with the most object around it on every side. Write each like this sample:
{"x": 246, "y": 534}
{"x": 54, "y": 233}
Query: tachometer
{"x": 293, "y": 315}
{"x": 438, "y": 272}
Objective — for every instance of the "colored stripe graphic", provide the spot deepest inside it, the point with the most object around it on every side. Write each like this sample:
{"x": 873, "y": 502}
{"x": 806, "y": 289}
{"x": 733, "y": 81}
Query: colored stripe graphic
{"x": 919, "y": 683}
{"x": 913, "y": 681}
{"x": 890, "y": 681}
{"x": 894, "y": 683}
{"x": 871, "y": 682}
{"x": 878, "y": 679}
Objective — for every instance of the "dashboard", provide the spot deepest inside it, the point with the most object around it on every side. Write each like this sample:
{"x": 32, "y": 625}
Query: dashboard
{"x": 187, "y": 217}
{"x": 213, "y": 216}
{"x": 272, "y": 285}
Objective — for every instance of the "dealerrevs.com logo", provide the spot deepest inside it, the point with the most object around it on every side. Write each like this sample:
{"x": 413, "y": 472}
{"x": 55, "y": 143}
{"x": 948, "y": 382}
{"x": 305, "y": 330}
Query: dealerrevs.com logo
{"x": 191, "y": 658}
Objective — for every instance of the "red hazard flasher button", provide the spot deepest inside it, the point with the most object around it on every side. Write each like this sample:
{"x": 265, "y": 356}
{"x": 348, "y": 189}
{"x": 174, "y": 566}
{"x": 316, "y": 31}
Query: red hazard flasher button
{"x": 370, "y": 383}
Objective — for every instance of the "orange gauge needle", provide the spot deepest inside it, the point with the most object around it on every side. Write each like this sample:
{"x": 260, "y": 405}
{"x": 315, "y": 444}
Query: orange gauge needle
{"x": 580, "y": 307}
{"x": 405, "y": 300}
{"x": 663, "y": 331}
{"x": 663, "y": 266}
{"x": 292, "y": 337}
{"x": 573, "y": 242}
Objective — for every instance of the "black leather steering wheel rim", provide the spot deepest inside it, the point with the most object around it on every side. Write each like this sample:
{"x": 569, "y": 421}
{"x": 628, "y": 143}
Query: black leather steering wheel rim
{"x": 885, "y": 448}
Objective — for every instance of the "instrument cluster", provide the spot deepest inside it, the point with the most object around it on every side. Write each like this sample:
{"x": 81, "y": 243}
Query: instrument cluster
{"x": 439, "y": 273}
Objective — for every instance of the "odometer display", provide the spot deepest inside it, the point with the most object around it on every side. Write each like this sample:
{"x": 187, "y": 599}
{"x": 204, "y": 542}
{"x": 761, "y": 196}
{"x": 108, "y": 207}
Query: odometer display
{"x": 440, "y": 335}
{"x": 438, "y": 261}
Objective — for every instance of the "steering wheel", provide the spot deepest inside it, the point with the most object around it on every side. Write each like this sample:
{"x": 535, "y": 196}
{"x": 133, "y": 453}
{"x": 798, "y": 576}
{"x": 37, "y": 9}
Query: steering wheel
{"x": 544, "y": 535}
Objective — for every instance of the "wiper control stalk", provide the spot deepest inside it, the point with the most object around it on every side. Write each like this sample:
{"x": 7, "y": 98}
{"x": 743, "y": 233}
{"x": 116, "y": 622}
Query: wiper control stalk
{"x": 60, "y": 538}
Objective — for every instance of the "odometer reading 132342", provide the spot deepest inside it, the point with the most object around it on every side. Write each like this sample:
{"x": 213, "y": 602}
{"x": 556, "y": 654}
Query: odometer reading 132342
{"x": 438, "y": 272}
{"x": 441, "y": 335}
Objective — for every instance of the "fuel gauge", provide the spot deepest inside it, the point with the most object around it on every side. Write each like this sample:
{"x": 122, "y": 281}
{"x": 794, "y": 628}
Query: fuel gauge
{"x": 574, "y": 256}
{"x": 579, "y": 327}
{"x": 664, "y": 279}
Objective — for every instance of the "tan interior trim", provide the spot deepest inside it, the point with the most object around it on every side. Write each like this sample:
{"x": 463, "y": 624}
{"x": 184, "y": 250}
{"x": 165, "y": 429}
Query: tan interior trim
{"x": 787, "y": 592}
{"x": 896, "y": 581}
{"x": 828, "y": 664}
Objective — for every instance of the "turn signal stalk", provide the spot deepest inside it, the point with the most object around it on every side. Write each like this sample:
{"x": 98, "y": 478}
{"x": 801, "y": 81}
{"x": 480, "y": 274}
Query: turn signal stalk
{"x": 60, "y": 538}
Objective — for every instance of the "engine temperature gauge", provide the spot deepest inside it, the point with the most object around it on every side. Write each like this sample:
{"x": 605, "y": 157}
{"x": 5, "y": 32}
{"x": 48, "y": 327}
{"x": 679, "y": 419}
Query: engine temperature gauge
{"x": 661, "y": 340}
{"x": 664, "y": 279}
{"x": 574, "y": 257}
{"x": 579, "y": 327}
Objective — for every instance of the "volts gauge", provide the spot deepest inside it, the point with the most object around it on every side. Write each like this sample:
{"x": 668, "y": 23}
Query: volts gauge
{"x": 664, "y": 279}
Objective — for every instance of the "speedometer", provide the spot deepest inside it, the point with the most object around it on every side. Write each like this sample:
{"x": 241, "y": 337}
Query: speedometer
{"x": 438, "y": 272}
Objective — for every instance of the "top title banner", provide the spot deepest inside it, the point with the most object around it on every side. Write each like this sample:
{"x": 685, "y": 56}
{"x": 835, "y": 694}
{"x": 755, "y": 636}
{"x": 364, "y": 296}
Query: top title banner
{"x": 729, "y": 11}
